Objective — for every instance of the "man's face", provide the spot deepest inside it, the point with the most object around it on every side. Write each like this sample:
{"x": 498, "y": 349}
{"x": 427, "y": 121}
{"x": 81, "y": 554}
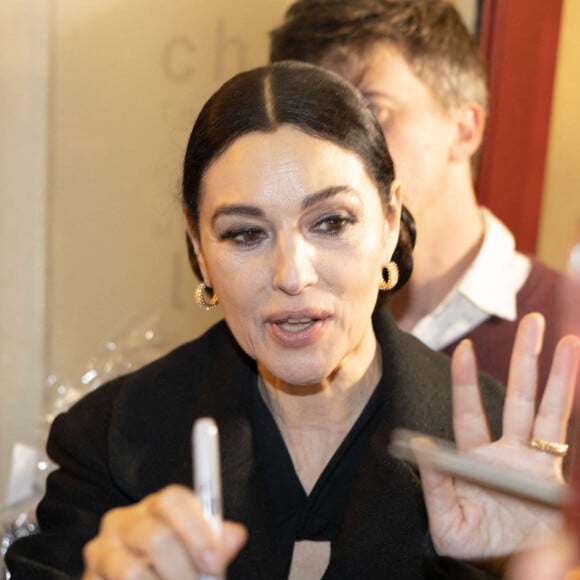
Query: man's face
{"x": 418, "y": 131}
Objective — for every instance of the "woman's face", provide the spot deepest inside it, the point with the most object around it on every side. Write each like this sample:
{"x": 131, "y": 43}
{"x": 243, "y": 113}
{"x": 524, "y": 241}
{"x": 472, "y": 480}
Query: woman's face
{"x": 293, "y": 238}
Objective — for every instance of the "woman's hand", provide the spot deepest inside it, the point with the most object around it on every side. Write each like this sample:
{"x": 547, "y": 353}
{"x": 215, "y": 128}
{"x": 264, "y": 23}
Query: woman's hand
{"x": 164, "y": 536}
{"x": 471, "y": 522}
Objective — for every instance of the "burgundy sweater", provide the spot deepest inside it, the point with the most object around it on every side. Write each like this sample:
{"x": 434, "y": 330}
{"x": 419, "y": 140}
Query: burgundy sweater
{"x": 493, "y": 339}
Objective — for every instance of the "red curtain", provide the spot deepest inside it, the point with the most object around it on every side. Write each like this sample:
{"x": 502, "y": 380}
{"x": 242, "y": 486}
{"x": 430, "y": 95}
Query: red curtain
{"x": 519, "y": 41}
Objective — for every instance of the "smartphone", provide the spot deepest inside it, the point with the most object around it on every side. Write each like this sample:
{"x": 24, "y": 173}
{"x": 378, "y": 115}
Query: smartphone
{"x": 445, "y": 457}
{"x": 207, "y": 474}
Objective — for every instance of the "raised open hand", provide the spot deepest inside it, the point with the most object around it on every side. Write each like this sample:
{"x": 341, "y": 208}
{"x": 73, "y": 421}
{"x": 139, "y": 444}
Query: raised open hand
{"x": 470, "y": 522}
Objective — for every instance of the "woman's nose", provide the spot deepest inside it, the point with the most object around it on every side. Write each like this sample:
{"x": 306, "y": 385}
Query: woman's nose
{"x": 294, "y": 265}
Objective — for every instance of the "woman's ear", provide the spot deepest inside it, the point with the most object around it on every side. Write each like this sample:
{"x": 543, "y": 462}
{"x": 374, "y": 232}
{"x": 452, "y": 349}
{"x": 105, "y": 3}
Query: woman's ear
{"x": 393, "y": 219}
{"x": 193, "y": 236}
{"x": 470, "y": 118}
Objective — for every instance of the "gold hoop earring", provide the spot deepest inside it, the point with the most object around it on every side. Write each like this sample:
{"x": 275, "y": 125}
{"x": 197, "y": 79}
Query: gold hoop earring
{"x": 202, "y": 299}
{"x": 392, "y": 277}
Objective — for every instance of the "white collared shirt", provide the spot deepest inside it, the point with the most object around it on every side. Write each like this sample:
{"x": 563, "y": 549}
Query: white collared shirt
{"x": 488, "y": 288}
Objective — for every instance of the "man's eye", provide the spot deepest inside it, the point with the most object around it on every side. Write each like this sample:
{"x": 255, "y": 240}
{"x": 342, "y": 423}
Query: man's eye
{"x": 374, "y": 108}
{"x": 382, "y": 114}
{"x": 244, "y": 236}
{"x": 333, "y": 224}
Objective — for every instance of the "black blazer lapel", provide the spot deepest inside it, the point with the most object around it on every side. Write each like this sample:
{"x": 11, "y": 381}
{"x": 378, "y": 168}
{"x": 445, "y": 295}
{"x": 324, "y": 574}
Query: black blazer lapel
{"x": 384, "y": 525}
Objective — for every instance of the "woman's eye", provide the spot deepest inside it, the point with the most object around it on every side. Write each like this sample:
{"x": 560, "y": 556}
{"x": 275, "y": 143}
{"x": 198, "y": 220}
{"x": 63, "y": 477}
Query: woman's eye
{"x": 244, "y": 236}
{"x": 333, "y": 224}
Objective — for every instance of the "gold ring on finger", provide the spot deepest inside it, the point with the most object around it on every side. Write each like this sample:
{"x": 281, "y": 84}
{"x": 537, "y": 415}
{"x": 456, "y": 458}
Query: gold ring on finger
{"x": 556, "y": 449}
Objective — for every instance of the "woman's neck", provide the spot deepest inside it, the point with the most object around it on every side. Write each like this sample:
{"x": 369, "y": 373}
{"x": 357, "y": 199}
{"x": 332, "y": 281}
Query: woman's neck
{"x": 314, "y": 419}
{"x": 332, "y": 404}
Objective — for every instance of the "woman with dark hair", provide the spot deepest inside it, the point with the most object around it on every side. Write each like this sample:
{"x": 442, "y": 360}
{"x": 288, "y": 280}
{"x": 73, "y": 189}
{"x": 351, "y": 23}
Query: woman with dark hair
{"x": 295, "y": 223}
{"x": 289, "y": 99}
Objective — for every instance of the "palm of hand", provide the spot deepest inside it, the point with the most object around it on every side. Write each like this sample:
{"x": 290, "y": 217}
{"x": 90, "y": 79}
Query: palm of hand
{"x": 483, "y": 523}
{"x": 468, "y": 521}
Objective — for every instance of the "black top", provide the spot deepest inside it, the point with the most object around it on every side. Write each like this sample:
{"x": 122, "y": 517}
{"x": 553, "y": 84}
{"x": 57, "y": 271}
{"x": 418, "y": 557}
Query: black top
{"x": 131, "y": 437}
{"x": 297, "y": 516}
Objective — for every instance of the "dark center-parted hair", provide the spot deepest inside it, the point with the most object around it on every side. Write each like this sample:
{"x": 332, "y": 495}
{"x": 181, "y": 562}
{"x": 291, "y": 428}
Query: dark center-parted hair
{"x": 315, "y": 101}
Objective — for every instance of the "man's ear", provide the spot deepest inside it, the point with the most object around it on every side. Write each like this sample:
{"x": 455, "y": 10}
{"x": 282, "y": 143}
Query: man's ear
{"x": 470, "y": 119}
{"x": 193, "y": 236}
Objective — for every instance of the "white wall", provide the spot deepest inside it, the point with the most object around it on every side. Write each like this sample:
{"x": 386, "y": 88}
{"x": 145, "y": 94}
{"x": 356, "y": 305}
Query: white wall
{"x": 23, "y": 122}
{"x": 128, "y": 79}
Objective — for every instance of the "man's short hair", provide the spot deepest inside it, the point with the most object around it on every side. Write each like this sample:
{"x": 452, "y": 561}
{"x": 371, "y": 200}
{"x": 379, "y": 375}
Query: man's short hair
{"x": 430, "y": 35}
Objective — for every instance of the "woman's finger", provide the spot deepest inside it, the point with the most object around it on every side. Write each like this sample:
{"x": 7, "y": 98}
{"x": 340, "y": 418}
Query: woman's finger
{"x": 235, "y": 536}
{"x": 556, "y": 404}
{"x": 520, "y": 404}
{"x": 160, "y": 546}
{"x": 180, "y": 509}
{"x": 182, "y": 512}
{"x": 469, "y": 420}
{"x": 104, "y": 560}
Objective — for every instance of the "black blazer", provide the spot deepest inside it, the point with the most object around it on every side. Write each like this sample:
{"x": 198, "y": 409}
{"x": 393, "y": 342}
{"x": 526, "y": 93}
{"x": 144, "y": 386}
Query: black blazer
{"x": 131, "y": 437}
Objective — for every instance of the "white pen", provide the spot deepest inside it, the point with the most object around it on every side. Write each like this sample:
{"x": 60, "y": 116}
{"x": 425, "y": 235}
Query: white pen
{"x": 207, "y": 474}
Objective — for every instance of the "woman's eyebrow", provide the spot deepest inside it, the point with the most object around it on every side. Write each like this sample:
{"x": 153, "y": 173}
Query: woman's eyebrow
{"x": 325, "y": 193}
{"x": 239, "y": 209}
{"x": 236, "y": 209}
